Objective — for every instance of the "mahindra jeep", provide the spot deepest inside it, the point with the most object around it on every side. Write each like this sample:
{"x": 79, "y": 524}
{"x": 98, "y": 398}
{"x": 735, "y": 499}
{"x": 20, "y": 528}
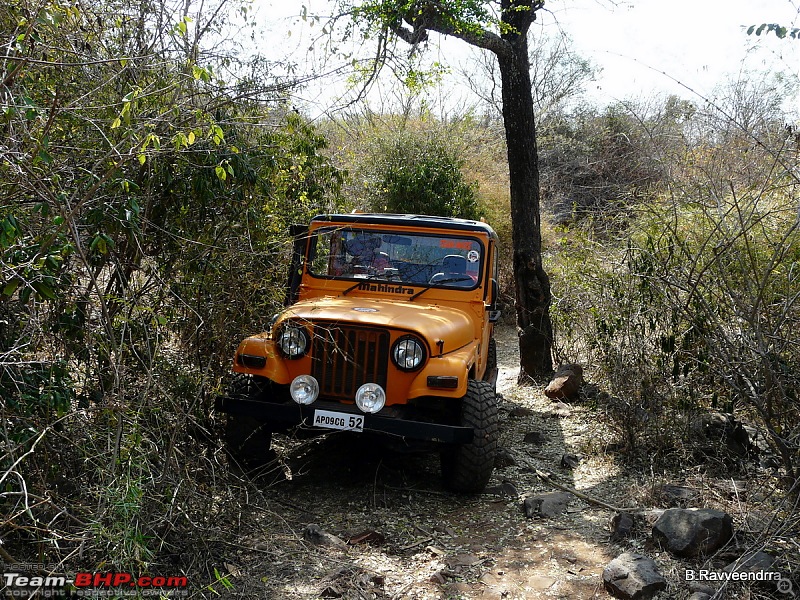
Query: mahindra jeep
{"x": 388, "y": 329}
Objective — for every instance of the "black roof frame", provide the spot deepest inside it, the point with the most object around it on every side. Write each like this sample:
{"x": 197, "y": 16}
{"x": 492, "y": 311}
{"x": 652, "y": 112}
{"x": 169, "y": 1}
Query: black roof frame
{"x": 431, "y": 222}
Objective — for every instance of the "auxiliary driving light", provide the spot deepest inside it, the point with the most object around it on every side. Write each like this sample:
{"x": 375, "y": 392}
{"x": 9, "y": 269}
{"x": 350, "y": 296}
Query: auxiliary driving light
{"x": 304, "y": 389}
{"x": 370, "y": 398}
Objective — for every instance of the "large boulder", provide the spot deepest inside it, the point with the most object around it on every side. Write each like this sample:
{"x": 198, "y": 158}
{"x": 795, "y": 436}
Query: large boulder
{"x": 566, "y": 382}
{"x": 691, "y": 532}
{"x": 632, "y": 576}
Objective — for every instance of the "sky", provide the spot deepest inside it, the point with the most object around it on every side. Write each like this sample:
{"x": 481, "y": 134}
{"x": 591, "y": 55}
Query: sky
{"x": 641, "y": 48}
{"x": 681, "y": 46}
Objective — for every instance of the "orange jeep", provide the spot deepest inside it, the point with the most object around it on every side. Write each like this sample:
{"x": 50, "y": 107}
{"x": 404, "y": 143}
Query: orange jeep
{"x": 387, "y": 329}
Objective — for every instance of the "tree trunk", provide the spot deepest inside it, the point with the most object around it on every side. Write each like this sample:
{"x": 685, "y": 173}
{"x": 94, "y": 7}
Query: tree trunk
{"x": 510, "y": 46}
{"x": 532, "y": 284}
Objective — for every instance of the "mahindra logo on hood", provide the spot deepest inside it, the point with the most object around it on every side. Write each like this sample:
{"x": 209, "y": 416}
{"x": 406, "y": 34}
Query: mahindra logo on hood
{"x": 385, "y": 288}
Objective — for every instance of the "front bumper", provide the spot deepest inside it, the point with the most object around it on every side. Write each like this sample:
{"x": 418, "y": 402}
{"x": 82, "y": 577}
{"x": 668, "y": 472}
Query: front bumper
{"x": 291, "y": 414}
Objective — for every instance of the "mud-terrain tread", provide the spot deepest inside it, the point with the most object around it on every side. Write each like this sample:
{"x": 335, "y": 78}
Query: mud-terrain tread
{"x": 467, "y": 467}
{"x": 248, "y": 439}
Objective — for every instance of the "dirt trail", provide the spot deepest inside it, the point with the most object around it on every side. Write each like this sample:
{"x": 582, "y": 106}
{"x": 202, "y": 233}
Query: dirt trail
{"x": 437, "y": 545}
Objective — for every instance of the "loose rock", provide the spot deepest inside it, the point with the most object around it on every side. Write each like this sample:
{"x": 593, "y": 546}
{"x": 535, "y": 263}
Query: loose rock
{"x": 504, "y": 459}
{"x": 752, "y": 563}
{"x": 507, "y": 488}
{"x": 633, "y": 577}
{"x": 546, "y": 505}
{"x": 693, "y": 532}
{"x": 566, "y": 382}
{"x": 315, "y": 535}
{"x": 569, "y": 461}
{"x": 534, "y": 437}
{"x": 621, "y": 526}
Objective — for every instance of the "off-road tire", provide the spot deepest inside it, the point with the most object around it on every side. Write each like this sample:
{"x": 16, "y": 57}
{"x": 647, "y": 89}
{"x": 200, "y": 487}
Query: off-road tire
{"x": 467, "y": 468}
{"x": 248, "y": 439}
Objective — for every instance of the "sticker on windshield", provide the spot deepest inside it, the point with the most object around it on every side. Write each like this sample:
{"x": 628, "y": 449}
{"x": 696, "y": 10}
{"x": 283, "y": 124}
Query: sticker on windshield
{"x": 473, "y": 256}
{"x": 455, "y": 244}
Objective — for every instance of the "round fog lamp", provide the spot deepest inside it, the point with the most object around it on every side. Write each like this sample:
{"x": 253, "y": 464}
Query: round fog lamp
{"x": 304, "y": 389}
{"x": 370, "y": 398}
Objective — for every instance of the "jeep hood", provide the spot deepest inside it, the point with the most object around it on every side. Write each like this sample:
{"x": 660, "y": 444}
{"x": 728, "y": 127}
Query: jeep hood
{"x": 434, "y": 323}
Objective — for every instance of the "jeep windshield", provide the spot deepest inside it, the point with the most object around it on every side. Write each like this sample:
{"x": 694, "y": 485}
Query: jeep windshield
{"x": 429, "y": 260}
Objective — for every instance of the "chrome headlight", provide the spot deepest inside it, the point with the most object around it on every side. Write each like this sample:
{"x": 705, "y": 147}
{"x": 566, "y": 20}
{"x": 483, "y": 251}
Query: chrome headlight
{"x": 304, "y": 389}
{"x": 370, "y": 398}
{"x": 408, "y": 353}
{"x": 293, "y": 341}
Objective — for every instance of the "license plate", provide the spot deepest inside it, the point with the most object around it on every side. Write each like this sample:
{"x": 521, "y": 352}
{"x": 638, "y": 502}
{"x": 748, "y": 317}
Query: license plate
{"x": 338, "y": 420}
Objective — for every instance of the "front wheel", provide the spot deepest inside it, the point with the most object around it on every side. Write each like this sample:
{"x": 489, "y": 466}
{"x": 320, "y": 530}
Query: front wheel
{"x": 467, "y": 467}
{"x": 248, "y": 439}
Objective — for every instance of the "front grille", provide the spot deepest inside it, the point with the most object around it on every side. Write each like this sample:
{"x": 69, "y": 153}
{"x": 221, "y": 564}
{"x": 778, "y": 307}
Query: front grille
{"x": 346, "y": 358}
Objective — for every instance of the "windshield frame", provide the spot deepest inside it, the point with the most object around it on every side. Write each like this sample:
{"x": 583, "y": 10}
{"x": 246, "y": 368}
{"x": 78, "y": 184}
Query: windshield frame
{"x": 392, "y": 275}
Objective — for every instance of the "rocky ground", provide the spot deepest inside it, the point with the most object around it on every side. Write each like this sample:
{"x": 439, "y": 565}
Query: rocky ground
{"x": 341, "y": 518}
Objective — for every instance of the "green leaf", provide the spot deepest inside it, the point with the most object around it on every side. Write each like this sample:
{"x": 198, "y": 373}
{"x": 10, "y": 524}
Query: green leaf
{"x": 180, "y": 140}
{"x": 101, "y": 243}
{"x": 116, "y": 123}
{"x": 221, "y": 174}
{"x": 44, "y": 290}
{"x": 142, "y": 159}
{"x": 11, "y": 287}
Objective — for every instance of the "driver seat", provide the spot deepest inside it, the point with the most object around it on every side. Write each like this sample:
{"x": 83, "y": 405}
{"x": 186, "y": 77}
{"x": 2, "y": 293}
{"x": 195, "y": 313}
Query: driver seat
{"x": 454, "y": 266}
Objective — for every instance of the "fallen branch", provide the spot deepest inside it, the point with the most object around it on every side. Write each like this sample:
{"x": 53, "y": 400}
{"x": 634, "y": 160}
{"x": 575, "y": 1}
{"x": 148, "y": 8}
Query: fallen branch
{"x": 7, "y": 557}
{"x": 549, "y": 480}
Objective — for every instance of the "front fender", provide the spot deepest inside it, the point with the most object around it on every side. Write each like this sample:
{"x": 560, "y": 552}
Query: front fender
{"x": 457, "y": 363}
{"x": 275, "y": 367}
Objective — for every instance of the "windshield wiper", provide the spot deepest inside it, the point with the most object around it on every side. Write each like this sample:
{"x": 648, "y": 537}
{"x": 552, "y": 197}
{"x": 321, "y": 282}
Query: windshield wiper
{"x": 360, "y": 282}
{"x": 437, "y": 282}
{"x": 422, "y": 291}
